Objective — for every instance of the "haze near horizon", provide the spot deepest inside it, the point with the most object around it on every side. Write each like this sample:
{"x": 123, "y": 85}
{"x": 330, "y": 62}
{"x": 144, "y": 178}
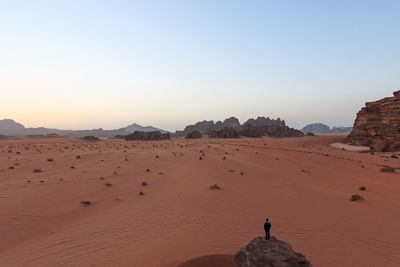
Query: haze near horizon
{"x": 92, "y": 64}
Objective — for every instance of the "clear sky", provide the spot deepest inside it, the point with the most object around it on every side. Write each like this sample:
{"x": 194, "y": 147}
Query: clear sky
{"x": 90, "y": 64}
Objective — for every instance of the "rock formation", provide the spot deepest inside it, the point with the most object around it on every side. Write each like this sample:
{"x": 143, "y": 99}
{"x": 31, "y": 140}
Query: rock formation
{"x": 226, "y": 132}
{"x": 378, "y": 125}
{"x": 316, "y": 128}
{"x": 262, "y": 121}
{"x": 193, "y": 135}
{"x": 320, "y": 128}
{"x": 209, "y": 127}
{"x": 141, "y": 135}
{"x": 269, "y": 253}
{"x": 270, "y": 130}
{"x": 249, "y": 130}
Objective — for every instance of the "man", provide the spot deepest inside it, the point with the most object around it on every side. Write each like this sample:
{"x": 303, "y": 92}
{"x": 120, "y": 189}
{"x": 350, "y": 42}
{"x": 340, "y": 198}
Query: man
{"x": 267, "y": 227}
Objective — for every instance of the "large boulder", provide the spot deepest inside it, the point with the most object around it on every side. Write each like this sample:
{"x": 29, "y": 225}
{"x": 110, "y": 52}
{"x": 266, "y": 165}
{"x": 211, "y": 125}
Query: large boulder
{"x": 378, "y": 125}
{"x": 226, "y": 132}
{"x": 269, "y": 253}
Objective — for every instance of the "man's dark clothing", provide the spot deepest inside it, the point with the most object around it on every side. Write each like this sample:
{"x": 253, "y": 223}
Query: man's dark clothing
{"x": 267, "y": 227}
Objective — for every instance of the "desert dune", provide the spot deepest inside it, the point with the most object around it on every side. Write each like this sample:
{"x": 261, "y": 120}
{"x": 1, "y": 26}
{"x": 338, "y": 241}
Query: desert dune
{"x": 149, "y": 203}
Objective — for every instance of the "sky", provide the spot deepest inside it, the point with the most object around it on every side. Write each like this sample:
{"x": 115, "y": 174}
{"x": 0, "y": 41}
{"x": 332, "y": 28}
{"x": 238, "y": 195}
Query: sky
{"x": 106, "y": 64}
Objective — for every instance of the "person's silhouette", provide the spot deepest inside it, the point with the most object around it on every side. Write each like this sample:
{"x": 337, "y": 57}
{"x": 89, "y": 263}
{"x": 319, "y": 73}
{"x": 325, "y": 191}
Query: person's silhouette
{"x": 267, "y": 227}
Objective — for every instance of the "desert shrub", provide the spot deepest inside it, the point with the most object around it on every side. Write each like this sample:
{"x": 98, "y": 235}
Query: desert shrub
{"x": 86, "y": 203}
{"x": 388, "y": 169}
{"x": 356, "y": 197}
{"x": 37, "y": 170}
{"x": 144, "y": 183}
{"x": 215, "y": 187}
{"x": 363, "y": 188}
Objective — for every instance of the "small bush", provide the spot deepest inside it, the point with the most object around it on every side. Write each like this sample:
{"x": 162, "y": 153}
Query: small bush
{"x": 356, "y": 197}
{"x": 37, "y": 170}
{"x": 50, "y": 160}
{"x": 141, "y": 193}
{"x": 144, "y": 183}
{"x": 147, "y": 170}
{"x": 86, "y": 203}
{"x": 363, "y": 188}
{"x": 108, "y": 184}
{"x": 215, "y": 187}
{"x": 388, "y": 169}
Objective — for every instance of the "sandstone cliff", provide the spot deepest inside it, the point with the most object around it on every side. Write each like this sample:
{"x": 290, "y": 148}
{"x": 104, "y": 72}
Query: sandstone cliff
{"x": 378, "y": 125}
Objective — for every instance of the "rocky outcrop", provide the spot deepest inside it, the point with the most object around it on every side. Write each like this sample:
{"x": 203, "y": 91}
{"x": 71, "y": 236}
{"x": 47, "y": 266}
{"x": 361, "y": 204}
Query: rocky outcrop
{"x": 270, "y": 253}
{"x": 316, "y": 128}
{"x": 320, "y": 128}
{"x": 226, "y": 132}
{"x": 378, "y": 125}
{"x": 270, "y": 130}
{"x": 141, "y": 135}
{"x": 262, "y": 121}
{"x": 209, "y": 127}
{"x": 193, "y": 135}
{"x": 249, "y": 130}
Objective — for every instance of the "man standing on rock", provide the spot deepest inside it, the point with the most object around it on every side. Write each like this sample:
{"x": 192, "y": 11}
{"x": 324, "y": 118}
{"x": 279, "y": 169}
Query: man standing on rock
{"x": 267, "y": 227}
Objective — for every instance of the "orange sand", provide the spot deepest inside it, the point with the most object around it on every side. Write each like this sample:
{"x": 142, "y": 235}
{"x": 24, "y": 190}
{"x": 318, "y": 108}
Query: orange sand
{"x": 301, "y": 184}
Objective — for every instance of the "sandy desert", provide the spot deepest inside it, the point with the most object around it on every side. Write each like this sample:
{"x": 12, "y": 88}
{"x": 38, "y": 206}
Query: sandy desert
{"x": 150, "y": 202}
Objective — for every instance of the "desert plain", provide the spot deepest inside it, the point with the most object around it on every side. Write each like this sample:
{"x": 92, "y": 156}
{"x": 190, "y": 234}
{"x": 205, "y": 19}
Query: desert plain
{"x": 149, "y": 203}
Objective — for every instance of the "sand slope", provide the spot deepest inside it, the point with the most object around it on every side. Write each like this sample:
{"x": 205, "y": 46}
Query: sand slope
{"x": 301, "y": 184}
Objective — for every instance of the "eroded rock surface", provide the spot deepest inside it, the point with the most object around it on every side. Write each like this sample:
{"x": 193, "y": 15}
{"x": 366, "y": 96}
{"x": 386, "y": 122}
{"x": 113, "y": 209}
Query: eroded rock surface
{"x": 269, "y": 253}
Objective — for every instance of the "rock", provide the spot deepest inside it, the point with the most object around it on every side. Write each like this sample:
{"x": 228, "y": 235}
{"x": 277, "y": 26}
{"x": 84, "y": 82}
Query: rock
{"x": 154, "y": 135}
{"x": 193, "y": 135}
{"x": 262, "y": 121}
{"x": 226, "y": 132}
{"x": 209, "y": 127}
{"x": 269, "y": 253}
{"x": 378, "y": 125}
{"x": 281, "y": 131}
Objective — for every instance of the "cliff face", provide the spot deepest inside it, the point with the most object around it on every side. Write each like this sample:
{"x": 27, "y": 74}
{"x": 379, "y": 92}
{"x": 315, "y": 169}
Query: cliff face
{"x": 378, "y": 125}
{"x": 270, "y": 253}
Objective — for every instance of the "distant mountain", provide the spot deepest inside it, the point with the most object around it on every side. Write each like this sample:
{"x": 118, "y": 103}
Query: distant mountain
{"x": 320, "y": 128}
{"x": 12, "y": 128}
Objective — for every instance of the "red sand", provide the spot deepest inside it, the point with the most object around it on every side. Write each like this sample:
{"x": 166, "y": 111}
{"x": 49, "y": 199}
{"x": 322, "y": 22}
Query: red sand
{"x": 304, "y": 192}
